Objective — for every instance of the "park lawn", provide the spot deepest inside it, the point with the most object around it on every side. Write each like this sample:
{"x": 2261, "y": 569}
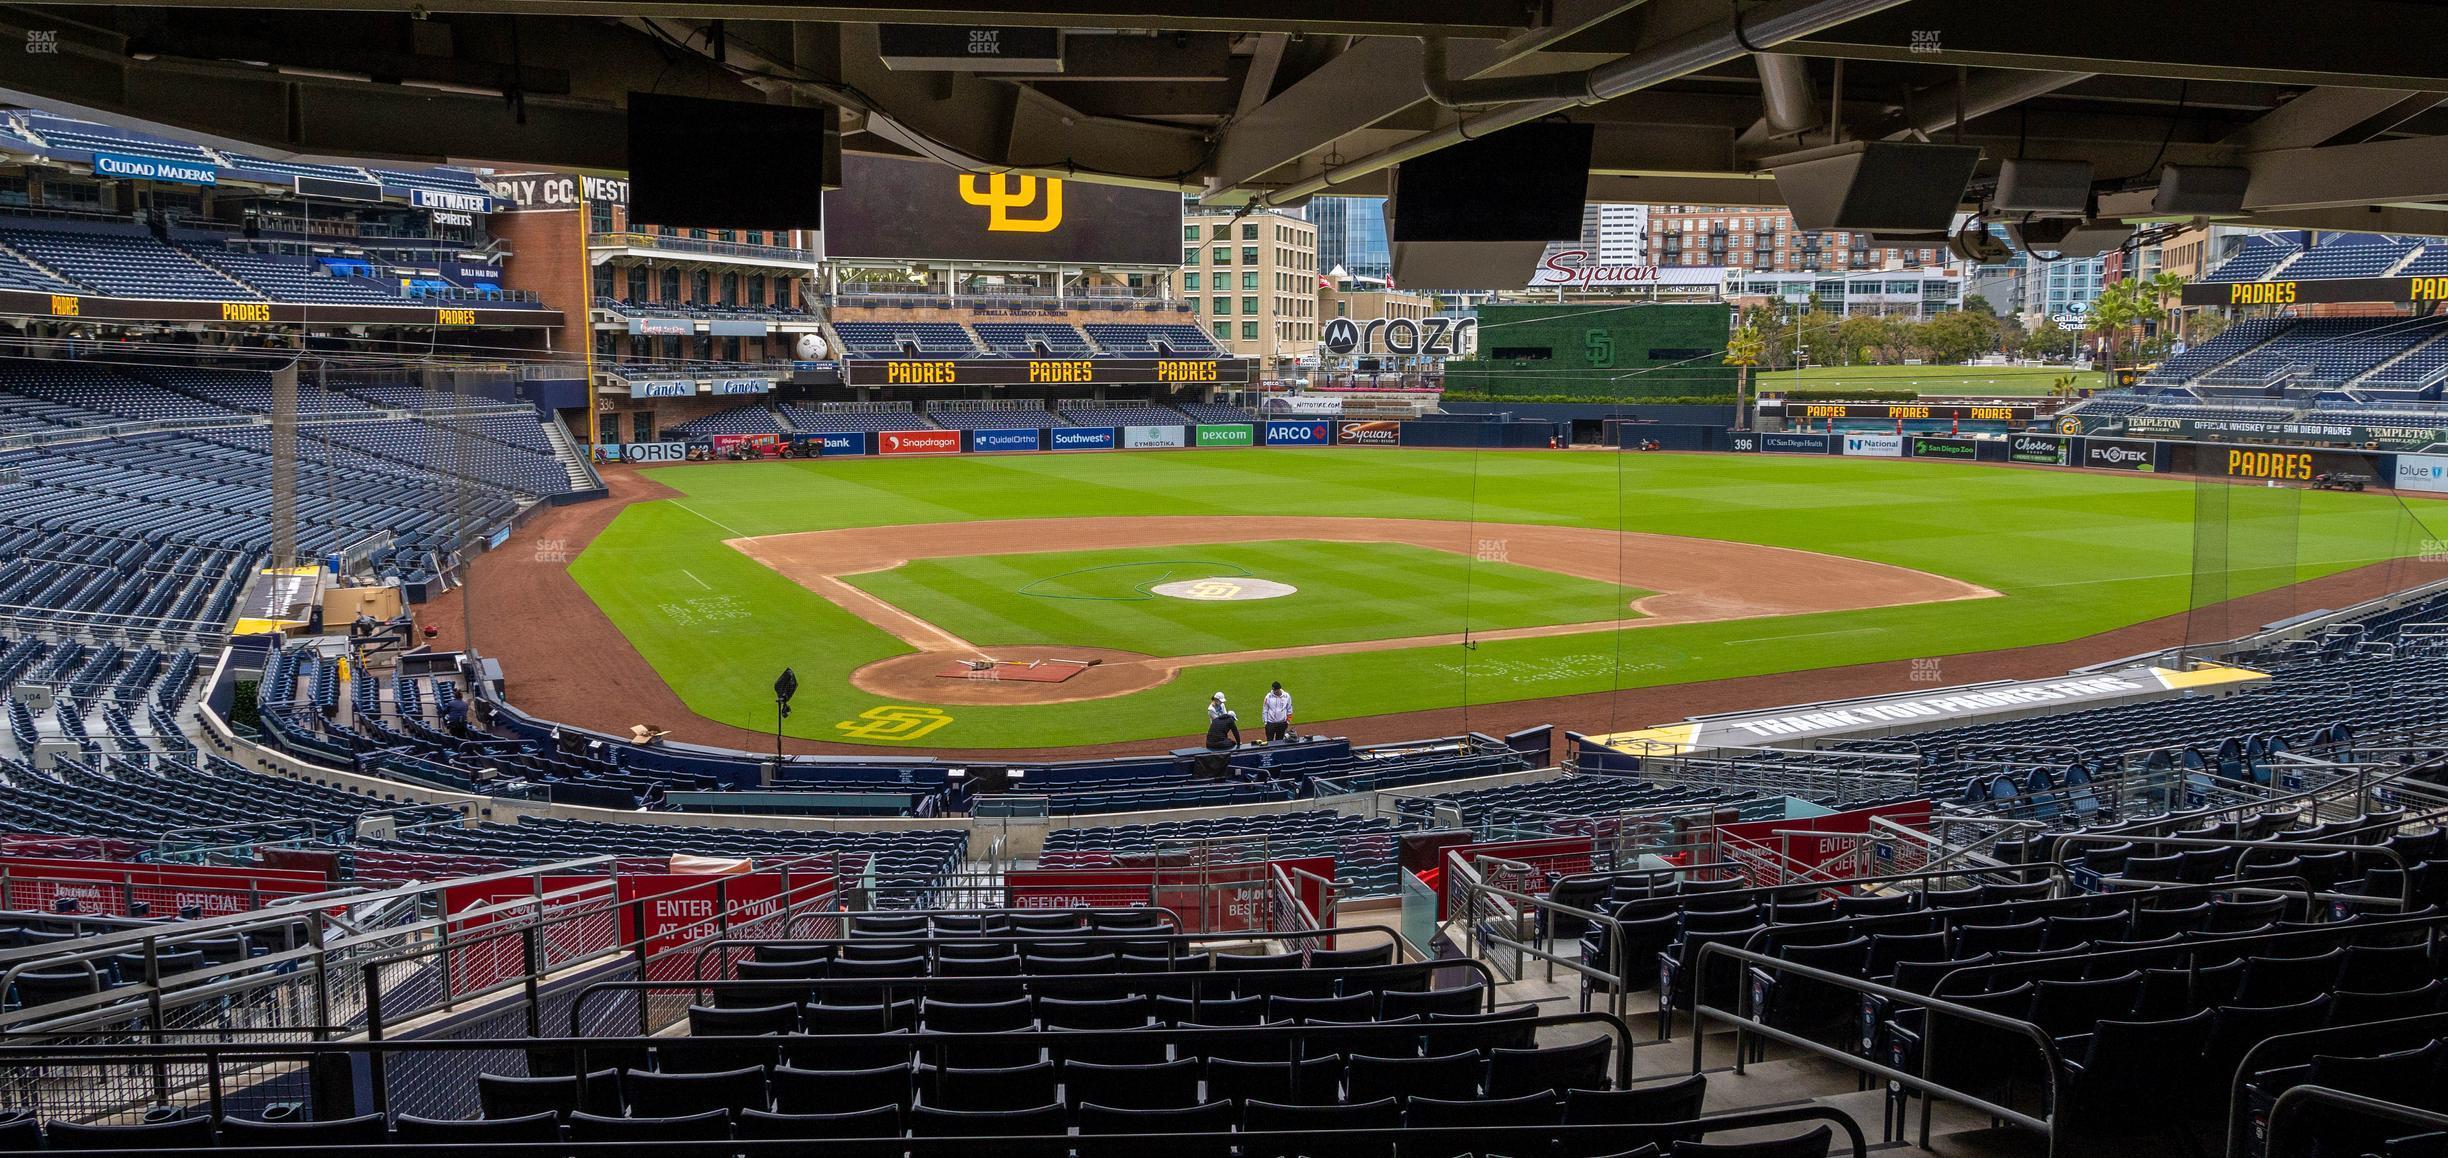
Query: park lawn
{"x": 1346, "y": 592}
{"x": 2073, "y": 553}
{"x": 2002, "y": 381}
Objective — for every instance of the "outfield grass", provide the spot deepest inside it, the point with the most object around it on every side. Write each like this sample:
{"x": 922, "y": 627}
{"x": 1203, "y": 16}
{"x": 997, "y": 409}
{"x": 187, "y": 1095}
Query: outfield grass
{"x": 1347, "y": 592}
{"x": 1999, "y": 380}
{"x": 2074, "y": 553}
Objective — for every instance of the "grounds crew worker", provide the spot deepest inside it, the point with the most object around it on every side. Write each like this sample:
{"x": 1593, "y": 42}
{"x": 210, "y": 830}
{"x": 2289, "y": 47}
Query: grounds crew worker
{"x": 1221, "y": 723}
{"x": 1275, "y": 711}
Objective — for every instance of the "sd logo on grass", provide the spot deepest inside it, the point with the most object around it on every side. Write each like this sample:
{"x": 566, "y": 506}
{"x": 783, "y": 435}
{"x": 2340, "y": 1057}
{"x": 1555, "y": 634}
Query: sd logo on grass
{"x": 893, "y": 723}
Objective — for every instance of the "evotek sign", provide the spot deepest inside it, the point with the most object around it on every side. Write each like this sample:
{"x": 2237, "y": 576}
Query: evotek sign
{"x": 2118, "y": 454}
{"x": 1434, "y": 337}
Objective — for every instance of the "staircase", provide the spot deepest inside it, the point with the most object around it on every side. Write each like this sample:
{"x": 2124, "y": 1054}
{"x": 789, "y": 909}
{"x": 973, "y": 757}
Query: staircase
{"x": 574, "y": 464}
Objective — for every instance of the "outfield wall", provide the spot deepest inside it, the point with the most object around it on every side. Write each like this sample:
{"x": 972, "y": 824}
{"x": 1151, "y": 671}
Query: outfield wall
{"x": 2410, "y": 471}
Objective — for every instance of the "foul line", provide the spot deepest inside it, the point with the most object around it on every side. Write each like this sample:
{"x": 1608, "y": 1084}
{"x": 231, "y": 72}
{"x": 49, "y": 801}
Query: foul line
{"x": 693, "y": 576}
{"x": 734, "y": 531}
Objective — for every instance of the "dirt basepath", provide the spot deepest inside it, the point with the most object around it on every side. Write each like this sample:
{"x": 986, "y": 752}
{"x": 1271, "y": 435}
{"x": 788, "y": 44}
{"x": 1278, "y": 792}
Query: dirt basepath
{"x": 566, "y": 661}
{"x": 1691, "y": 580}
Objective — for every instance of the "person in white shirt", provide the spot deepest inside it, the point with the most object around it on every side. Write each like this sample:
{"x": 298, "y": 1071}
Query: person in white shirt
{"x": 1215, "y": 706}
{"x": 1275, "y": 711}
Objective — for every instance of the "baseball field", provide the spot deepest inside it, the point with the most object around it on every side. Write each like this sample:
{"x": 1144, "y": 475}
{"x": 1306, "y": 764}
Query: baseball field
{"x": 1108, "y": 594}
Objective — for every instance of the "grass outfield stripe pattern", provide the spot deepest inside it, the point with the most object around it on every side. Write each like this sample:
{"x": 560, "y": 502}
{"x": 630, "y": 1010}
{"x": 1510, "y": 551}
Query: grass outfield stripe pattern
{"x": 2073, "y": 554}
{"x": 1347, "y": 591}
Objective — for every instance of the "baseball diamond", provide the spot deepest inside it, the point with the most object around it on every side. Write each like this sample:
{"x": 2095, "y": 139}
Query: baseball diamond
{"x": 1642, "y": 572}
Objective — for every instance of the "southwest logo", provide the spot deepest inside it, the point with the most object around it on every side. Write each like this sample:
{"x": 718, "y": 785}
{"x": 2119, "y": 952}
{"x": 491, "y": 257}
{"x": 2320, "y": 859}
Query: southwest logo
{"x": 1002, "y": 193}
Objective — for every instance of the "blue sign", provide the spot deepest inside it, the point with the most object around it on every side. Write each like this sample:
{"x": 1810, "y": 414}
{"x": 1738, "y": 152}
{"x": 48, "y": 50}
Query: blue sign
{"x": 1283, "y": 432}
{"x": 828, "y": 445}
{"x": 1795, "y": 443}
{"x": 682, "y": 388}
{"x": 1083, "y": 438}
{"x": 152, "y": 169}
{"x": 1011, "y": 438}
{"x": 742, "y": 386}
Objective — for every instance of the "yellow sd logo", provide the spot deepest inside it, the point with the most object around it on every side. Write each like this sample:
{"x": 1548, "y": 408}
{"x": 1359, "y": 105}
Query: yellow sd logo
{"x": 1005, "y": 192}
{"x": 1213, "y": 589}
{"x": 893, "y": 723}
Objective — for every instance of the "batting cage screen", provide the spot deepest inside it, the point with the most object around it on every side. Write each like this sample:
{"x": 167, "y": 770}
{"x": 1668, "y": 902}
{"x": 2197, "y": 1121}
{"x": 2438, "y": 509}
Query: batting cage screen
{"x": 2284, "y": 532}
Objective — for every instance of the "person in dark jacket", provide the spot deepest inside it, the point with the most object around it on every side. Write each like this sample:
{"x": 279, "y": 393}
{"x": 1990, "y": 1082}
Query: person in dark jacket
{"x": 1223, "y": 735}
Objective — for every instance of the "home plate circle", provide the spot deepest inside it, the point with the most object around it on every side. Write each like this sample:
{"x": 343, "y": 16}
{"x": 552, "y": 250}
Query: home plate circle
{"x": 1225, "y": 590}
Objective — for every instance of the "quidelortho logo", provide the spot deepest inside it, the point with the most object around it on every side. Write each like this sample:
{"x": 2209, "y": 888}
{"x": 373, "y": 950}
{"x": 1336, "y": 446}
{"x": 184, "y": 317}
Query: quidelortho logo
{"x": 1001, "y": 194}
{"x": 1010, "y": 439}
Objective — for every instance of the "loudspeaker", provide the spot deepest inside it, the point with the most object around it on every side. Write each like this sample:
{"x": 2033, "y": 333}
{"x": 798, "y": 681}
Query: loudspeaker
{"x": 1527, "y": 183}
{"x": 1479, "y": 215}
{"x": 2201, "y": 190}
{"x": 1901, "y": 186}
{"x": 2069, "y": 238}
{"x": 730, "y": 164}
{"x": 2054, "y": 187}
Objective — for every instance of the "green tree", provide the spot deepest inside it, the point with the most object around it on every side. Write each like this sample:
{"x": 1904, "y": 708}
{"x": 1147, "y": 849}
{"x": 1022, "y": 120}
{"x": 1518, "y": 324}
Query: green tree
{"x": 2128, "y": 305}
{"x": 2047, "y": 340}
{"x": 1744, "y": 349}
{"x": 1977, "y": 304}
{"x": 1956, "y": 336}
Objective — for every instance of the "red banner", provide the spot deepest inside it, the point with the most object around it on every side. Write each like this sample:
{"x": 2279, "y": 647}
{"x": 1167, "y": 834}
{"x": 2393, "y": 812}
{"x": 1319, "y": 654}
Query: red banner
{"x": 918, "y": 442}
{"x": 1553, "y": 857}
{"x": 1190, "y": 892}
{"x": 105, "y": 888}
{"x": 1811, "y": 856}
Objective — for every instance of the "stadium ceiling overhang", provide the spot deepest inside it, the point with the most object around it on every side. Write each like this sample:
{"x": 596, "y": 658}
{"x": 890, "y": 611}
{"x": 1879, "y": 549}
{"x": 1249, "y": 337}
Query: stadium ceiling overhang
{"x": 2333, "y": 108}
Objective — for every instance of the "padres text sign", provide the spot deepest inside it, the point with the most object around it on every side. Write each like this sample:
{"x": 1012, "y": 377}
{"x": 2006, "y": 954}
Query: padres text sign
{"x": 1042, "y": 371}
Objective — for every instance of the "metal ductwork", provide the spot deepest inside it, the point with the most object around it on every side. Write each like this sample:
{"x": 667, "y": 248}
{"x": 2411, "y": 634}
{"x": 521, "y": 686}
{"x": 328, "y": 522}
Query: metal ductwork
{"x": 1785, "y": 91}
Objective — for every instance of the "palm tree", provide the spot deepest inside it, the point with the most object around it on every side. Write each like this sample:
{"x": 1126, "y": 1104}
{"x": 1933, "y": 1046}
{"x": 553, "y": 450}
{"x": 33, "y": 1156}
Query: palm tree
{"x": 1744, "y": 348}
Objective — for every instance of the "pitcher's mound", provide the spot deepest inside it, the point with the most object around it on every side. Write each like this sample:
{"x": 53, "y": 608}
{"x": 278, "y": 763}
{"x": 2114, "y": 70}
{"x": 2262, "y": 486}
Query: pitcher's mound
{"x": 1026, "y": 671}
{"x": 1022, "y": 674}
{"x": 1225, "y": 589}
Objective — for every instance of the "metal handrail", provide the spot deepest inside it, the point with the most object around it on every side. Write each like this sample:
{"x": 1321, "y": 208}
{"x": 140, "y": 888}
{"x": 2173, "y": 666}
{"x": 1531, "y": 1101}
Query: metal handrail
{"x": 1123, "y": 984}
{"x": 1744, "y": 1022}
{"x": 2405, "y": 881}
{"x": 2297, "y": 1096}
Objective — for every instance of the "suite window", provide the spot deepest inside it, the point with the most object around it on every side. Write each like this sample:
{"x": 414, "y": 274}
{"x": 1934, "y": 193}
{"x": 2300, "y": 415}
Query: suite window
{"x": 1223, "y": 255}
{"x": 1190, "y": 282}
{"x": 1249, "y": 305}
{"x": 1249, "y": 231}
{"x": 1249, "y": 279}
{"x": 637, "y": 283}
{"x": 1223, "y": 330}
{"x": 1249, "y": 255}
{"x": 599, "y": 218}
{"x": 1189, "y": 256}
{"x": 1249, "y": 330}
{"x": 671, "y": 285}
